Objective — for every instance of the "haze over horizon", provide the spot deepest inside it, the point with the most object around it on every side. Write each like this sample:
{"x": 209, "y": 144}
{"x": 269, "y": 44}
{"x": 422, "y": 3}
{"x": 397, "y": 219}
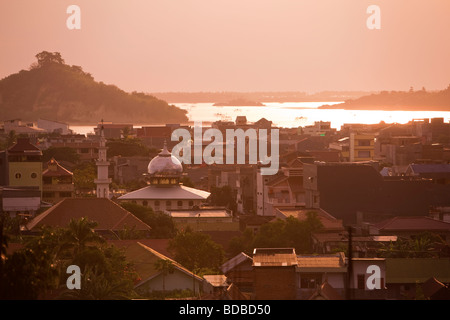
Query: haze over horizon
{"x": 212, "y": 45}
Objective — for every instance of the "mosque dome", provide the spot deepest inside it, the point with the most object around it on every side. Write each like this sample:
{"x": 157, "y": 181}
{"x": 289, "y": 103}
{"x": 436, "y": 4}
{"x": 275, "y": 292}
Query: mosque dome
{"x": 165, "y": 165}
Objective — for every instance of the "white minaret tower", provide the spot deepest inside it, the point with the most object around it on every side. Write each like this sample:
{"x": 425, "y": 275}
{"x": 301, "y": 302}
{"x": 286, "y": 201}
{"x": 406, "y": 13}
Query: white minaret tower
{"x": 102, "y": 180}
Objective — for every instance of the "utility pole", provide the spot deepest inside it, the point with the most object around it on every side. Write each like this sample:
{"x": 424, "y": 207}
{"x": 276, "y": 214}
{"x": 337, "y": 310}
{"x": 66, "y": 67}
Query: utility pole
{"x": 350, "y": 264}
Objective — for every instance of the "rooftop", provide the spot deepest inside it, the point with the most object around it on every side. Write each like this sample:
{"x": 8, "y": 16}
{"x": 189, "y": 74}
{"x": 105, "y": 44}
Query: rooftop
{"x": 203, "y": 213}
{"x": 324, "y": 262}
{"x": 235, "y": 261}
{"x": 413, "y": 223}
{"x": 216, "y": 280}
{"x": 274, "y": 257}
{"x": 108, "y": 215}
{"x": 23, "y": 146}
{"x": 173, "y": 192}
{"x": 54, "y": 169}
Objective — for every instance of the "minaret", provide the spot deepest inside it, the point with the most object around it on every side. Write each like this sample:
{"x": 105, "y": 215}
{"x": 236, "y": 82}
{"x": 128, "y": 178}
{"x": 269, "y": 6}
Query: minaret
{"x": 102, "y": 163}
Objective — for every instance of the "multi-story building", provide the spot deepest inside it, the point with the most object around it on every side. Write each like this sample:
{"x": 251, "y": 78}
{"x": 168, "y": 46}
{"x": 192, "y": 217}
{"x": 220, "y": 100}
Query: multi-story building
{"x": 361, "y": 147}
{"x": 320, "y": 128}
{"x": 24, "y": 165}
{"x": 284, "y": 190}
{"x": 85, "y": 147}
{"x": 57, "y": 183}
{"x": 21, "y": 171}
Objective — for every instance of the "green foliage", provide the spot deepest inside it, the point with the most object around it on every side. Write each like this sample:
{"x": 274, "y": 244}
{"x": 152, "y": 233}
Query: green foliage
{"x": 84, "y": 175}
{"x": 60, "y": 154}
{"x": 425, "y": 245}
{"x": 162, "y": 225}
{"x": 127, "y": 148}
{"x": 173, "y": 294}
{"x": 223, "y": 196}
{"x": 291, "y": 233}
{"x": 186, "y": 181}
{"x": 196, "y": 250}
{"x": 408, "y": 100}
{"x": 54, "y": 90}
{"x": 40, "y": 266}
{"x": 96, "y": 285}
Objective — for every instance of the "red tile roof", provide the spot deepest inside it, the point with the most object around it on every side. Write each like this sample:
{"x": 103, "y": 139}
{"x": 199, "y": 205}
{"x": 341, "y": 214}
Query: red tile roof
{"x": 108, "y": 215}
{"x": 416, "y": 223}
{"x": 23, "y": 145}
{"x": 57, "y": 172}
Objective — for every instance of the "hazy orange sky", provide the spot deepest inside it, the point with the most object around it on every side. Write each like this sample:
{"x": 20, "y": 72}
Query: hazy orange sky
{"x": 241, "y": 45}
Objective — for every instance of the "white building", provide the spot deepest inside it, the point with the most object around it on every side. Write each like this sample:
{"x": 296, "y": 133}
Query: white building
{"x": 102, "y": 181}
{"x": 165, "y": 192}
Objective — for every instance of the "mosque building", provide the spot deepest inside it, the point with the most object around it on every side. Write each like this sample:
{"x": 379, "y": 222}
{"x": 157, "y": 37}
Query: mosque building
{"x": 165, "y": 192}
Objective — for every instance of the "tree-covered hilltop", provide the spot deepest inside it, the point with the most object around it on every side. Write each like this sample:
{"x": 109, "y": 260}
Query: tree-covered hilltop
{"x": 52, "y": 89}
{"x": 412, "y": 100}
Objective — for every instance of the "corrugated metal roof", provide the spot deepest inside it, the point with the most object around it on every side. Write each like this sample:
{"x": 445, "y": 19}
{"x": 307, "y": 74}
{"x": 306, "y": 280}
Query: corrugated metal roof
{"x": 235, "y": 261}
{"x": 216, "y": 280}
{"x": 330, "y": 261}
{"x": 274, "y": 257}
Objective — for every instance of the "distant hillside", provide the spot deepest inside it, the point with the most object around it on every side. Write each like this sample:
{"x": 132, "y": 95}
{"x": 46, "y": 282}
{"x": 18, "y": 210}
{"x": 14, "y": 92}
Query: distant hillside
{"x": 399, "y": 100}
{"x": 54, "y": 90}
{"x": 263, "y": 96}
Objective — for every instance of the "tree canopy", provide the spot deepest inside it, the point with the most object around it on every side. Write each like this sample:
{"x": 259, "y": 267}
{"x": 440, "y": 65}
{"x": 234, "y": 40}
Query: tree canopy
{"x": 55, "y": 90}
{"x": 277, "y": 234}
{"x": 196, "y": 251}
{"x": 40, "y": 266}
{"x": 162, "y": 224}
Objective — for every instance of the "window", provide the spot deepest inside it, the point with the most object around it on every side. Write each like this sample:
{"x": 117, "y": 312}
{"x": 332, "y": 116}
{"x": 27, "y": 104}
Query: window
{"x": 180, "y": 203}
{"x": 364, "y": 143}
{"x": 364, "y": 154}
{"x": 310, "y": 281}
{"x": 168, "y": 203}
{"x": 145, "y": 203}
{"x": 191, "y": 203}
{"x": 157, "y": 203}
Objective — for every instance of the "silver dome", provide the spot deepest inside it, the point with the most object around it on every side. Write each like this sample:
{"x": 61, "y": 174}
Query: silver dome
{"x": 165, "y": 164}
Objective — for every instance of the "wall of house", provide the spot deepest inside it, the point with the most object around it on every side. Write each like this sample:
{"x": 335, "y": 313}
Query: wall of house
{"x": 360, "y": 268}
{"x": 361, "y": 147}
{"x": 161, "y": 205}
{"x": 177, "y": 280}
{"x": 274, "y": 283}
{"x": 25, "y": 174}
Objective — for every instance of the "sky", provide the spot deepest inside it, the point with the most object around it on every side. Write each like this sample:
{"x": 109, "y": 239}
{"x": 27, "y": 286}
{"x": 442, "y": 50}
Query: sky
{"x": 236, "y": 45}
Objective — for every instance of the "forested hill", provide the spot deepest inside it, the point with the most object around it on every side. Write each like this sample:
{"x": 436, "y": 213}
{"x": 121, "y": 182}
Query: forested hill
{"x": 399, "y": 100}
{"x": 51, "y": 89}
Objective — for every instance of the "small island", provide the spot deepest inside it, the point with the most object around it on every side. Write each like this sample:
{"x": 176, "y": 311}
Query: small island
{"x": 239, "y": 103}
{"x": 411, "y": 100}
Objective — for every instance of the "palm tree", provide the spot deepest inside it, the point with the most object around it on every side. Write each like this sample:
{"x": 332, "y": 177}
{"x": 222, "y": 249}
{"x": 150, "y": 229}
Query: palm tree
{"x": 96, "y": 286}
{"x": 164, "y": 266}
{"x": 80, "y": 233}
